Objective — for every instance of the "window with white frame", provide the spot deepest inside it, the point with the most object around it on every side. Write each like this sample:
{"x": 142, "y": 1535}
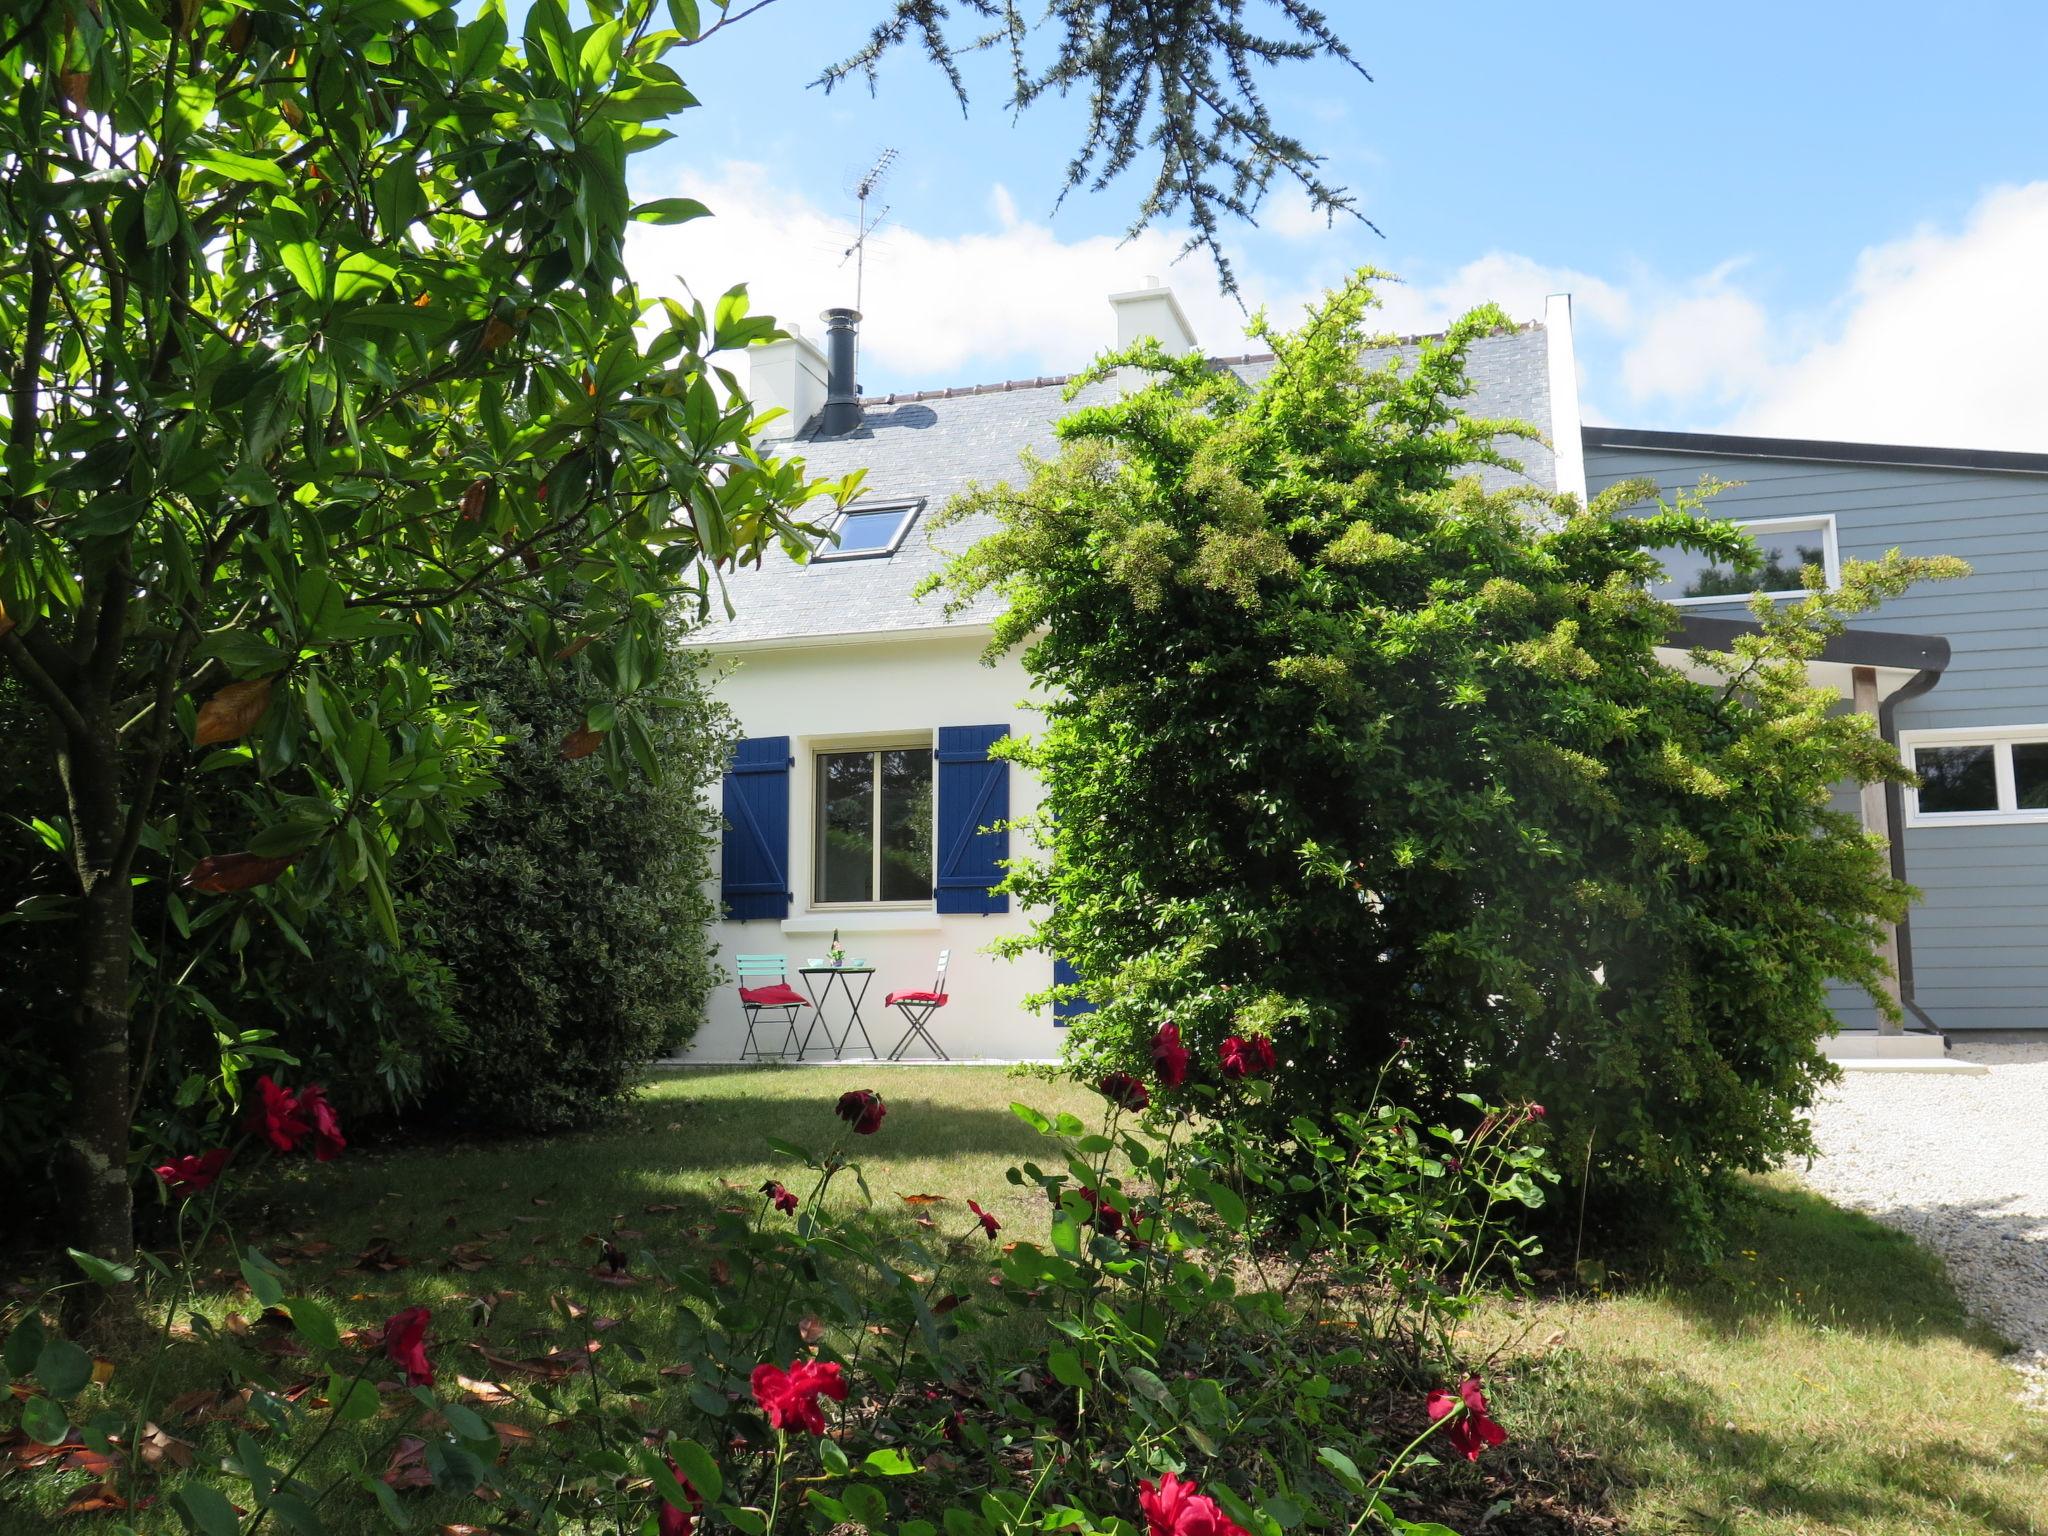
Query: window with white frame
{"x": 874, "y": 827}
{"x": 1994, "y": 775}
{"x": 868, "y": 531}
{"x": 1788, "y": 546}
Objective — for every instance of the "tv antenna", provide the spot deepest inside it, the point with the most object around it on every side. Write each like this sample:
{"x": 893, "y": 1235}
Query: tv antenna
{"x": 867, "y": 187}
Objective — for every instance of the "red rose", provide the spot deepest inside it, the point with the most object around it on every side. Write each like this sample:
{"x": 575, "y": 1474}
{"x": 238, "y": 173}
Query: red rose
{"x": 1169, "y": 1056}
{"x": 988, "y": 1223}
{"x": 278, "y": 1115}
{"x": 862, "y": 1108}
{"x": 680, "y": 1522}
{"x": 1107, "y": 1218}
{"x": 405, "y": 1341}
{"x": 1246, "y": 1058}
{"x": 1536, "y": 1111}
{"x": 790, "y": 1398}
{"x": 1472, "y": 1430}
{"x": 1176, "y": 1507}
{"x": 326, "y": 1126}
{"x": 193, "y": 1172}
{"x": 1124, "y": 1089}
{"x": 782, "y": 1198}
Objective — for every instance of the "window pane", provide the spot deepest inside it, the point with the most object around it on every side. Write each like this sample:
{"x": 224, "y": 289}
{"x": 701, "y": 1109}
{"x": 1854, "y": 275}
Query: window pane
{"x": 2030, "y": 774}
{"x": 1957, "y": 779}
{"x": 846, "y": 826}
{"x": 1786, "y": 555}
{"x": 863, "y": 531}
{"x": 907, "y": 825}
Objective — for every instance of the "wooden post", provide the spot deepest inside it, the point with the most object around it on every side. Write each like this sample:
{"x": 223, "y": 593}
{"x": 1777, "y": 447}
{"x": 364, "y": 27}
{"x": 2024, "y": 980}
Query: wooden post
{"x": 1877, "y": 818}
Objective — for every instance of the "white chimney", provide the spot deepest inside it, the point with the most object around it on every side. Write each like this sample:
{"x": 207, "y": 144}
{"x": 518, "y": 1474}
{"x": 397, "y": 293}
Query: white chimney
{"x": 1152, "y": 311}
{"x": 789, "y": 374}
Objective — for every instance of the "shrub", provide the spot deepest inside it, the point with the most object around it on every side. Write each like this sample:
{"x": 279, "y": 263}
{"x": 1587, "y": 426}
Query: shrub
{"x": 1344, "y": 749}
{"x": 572, "y": 915}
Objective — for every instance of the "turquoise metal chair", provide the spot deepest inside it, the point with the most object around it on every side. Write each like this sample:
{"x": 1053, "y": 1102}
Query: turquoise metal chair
{"x": 765, "y": 988}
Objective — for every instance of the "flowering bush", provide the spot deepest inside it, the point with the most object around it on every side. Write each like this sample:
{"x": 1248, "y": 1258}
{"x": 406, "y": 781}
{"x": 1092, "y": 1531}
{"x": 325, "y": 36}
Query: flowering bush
{"x": 1135, "y": 1358}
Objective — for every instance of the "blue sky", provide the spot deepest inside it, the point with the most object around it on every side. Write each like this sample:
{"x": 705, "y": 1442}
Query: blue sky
{"x": 1802, "y": 218}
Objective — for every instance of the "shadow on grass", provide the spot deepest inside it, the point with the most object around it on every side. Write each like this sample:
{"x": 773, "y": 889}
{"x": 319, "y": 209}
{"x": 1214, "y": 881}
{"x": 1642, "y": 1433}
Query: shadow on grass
{"x": 1793, "y": 1254}
{"x": 1661, "y": 1429}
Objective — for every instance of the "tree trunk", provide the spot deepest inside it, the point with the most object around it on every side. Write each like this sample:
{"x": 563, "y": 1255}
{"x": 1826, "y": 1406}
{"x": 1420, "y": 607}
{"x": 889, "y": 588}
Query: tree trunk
{"x": 93, "y": 1162}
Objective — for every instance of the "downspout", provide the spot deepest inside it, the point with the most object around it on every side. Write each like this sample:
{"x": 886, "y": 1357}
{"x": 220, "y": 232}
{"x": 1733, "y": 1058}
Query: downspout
{"x": 1895, "y": 817}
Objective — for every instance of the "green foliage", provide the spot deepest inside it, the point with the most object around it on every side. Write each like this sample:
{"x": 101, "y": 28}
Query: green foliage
{"x": 320, "y": 334}
{"x": 1348, "y": 750}
{"x": 573, "y": 915}
{"x": 986, "y": 1381}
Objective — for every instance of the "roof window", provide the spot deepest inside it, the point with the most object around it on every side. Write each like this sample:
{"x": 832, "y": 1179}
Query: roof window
{"x": 869, "y": 531}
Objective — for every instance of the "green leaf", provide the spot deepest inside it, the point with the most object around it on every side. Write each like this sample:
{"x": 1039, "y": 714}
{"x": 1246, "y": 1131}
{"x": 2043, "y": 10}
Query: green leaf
{"x": 161, "y": 215}
{"x": 63, "y": 1368}
{"x": 44, "y": 1421}
{"x": 670, "y": 210}
{"x": 683, "y": 15}
{"x": 699, "y": 1467}
{"x": 24, "y": 1344}
{"x": 889, "y": 1463}
{"x": 206, "y": 1510}
{"x": 265, "y": 1284}
{"x": 301, "y": 258}
{"x": 387, "y": 1499}
{"x": 351, "y": 1401}
{"x": 237, "y": 167}
{"x": 466, "y": 1423}
{"x": 1417, "y": 1527}
{"x": 1066, "y": 1368}
{"x": 1342, "y": 1467}
{"x": 1148, "y": 1385}
{"x": 1284, "y": 1511}
{"x": 748, "y": 1522}
{"x": 832, "y": 1458}
{"x": 314, "y": 1323}
{"x": 99, "y": 1271}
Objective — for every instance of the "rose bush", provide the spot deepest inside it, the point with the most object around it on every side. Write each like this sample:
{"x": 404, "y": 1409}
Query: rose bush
{"x": 1150, "y": 1354}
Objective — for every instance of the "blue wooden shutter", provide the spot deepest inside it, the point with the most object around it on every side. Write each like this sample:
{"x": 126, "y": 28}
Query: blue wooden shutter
{"x": 974, "y": 790}
{"x": 1064, "y": 975}
{"x": 754, "y": 880}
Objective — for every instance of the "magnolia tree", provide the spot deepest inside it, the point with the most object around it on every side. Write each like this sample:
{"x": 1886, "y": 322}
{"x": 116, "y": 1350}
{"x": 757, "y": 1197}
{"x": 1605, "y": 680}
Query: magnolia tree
{"x": 315, "y": 330}
{"x": 1350, "y": 754}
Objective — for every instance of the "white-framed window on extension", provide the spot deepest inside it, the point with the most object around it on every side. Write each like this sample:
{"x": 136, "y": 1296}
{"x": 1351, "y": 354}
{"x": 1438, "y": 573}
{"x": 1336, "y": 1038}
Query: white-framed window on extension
{"x": 1788, "y": 544}
{"x": 874, "y": 812}
{"x": 1989, "y": 775}
{"x": 869, "y": 530}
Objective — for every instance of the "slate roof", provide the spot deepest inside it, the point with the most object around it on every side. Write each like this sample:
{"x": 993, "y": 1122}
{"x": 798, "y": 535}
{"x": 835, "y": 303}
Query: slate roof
{"x": 935, "y": 443}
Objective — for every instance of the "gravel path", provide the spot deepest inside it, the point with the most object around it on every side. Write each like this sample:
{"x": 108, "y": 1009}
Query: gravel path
{"x": 1961, "y": 1163}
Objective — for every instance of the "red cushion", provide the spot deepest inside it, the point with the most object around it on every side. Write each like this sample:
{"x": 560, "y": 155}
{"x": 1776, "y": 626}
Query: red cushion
{"x": 913, "y": 997}
{"x": 780, "y": 995}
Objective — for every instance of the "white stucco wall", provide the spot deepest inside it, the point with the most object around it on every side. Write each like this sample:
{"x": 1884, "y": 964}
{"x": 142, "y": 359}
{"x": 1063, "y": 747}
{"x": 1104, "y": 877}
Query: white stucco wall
{"x": 873, "y": 692}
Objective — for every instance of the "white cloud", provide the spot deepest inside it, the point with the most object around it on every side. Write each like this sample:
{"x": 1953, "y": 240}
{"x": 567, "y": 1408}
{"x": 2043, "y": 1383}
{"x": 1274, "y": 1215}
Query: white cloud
{"x": 1017, "y": 298}
{"x": 1943, "y": 339}
{"x": 1939, "y": 337}
{"x": 1013, "y": 299}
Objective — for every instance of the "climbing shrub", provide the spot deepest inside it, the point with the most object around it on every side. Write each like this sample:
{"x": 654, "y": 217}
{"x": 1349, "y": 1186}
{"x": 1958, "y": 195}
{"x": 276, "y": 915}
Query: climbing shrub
{"x": 1345, "y": 748}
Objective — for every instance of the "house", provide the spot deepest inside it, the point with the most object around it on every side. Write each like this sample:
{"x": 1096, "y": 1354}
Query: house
{"x": 858, "y": 795}
{"x": 861, "y": 797}
{"x": 1954, "y": 672}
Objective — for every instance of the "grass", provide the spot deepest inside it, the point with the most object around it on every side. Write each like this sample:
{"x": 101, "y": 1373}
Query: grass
{"x": 1822, "y": 1379}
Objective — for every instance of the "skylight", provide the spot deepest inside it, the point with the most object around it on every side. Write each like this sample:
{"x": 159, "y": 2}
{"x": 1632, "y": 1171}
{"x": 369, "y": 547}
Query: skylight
{"x": 870, "y": 532}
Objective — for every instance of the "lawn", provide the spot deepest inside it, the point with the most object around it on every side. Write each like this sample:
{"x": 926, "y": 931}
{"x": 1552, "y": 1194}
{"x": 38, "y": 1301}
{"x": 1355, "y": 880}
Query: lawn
{"x": 1823, "y": 1379}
